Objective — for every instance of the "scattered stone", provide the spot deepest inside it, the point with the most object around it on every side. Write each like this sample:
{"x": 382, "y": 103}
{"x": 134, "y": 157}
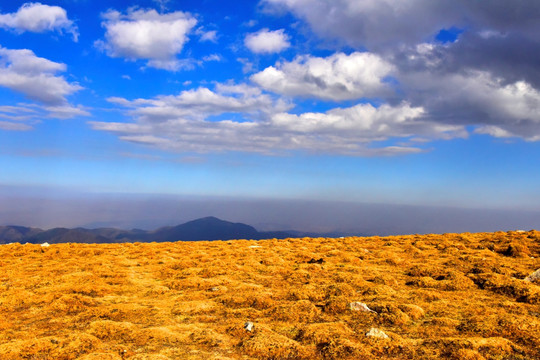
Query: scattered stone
{"x": 45, "y": 244}
{"x": 248, "y": 326}
{"x": 318, "y": 261}
{"x": 376, "y": 333}
{"x": 214, "y": 289}
{"x": 534, "y": 277}
{"x": 358, "y": 306}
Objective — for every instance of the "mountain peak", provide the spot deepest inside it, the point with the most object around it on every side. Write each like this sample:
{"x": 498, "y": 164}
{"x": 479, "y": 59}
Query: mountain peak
{"x": 207, "y": 219}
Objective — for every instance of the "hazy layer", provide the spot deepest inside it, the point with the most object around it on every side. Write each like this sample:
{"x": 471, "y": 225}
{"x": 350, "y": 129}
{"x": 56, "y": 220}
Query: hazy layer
{"x": 47, "y": 208}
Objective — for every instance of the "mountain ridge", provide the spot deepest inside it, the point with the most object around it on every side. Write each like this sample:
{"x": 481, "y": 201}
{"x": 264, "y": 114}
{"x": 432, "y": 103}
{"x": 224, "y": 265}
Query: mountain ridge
{"x": 206, "y": 228}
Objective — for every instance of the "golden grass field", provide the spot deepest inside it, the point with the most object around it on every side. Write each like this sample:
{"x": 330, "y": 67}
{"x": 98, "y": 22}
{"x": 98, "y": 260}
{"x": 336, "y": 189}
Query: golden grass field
{"x": 452, "y": 296}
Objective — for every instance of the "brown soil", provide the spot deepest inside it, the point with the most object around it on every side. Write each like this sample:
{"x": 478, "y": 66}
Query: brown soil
{"x": 452, "y": 296}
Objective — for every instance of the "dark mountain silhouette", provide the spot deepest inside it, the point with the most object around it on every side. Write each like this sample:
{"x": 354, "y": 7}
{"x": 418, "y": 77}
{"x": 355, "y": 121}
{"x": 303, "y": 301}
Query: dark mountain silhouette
{"x": 208, "y": 228}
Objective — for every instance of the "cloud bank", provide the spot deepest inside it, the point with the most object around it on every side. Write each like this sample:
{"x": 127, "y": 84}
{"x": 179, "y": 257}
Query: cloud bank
{"x": 243, "y": 118}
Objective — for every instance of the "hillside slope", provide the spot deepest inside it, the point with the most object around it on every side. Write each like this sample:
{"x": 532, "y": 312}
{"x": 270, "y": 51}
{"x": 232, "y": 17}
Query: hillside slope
{"x": 452, "y": 296}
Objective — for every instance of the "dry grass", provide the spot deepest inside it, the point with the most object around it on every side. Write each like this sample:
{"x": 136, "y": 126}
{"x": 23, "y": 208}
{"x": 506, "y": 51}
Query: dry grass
{"x": 452, "y": 296}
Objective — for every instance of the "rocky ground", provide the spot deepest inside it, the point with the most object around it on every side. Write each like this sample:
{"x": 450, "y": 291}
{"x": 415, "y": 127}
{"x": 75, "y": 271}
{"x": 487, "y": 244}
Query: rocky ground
{"x": 452, "y": 296}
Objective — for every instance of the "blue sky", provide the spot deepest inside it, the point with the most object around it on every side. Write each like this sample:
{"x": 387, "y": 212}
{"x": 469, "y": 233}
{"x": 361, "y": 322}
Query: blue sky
{"x": 390, "y": 102}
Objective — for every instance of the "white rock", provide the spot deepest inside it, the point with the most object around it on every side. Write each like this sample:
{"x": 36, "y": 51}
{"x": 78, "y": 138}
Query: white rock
{"x": 534, "y": 277}
{"x": 255, "y": 247}
{"x": 248, "y": 326}
{"x": 359, "y": 306}
{"x": 374, "y": 332}
{"x": 45, "y": 244}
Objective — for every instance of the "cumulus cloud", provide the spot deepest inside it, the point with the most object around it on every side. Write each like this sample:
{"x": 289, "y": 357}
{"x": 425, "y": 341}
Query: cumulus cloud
{"x": 148, "y": 35}
{"x": 380, "y": 24}
{"x": 35, "y": 77}
{"x": 496, "y": 105}
{"x": 486, "y": 102}
{"x": 36, "y": 17}
{"x": 265, "y": 41}
{"x": 367, "y": 123}
{"x": 487, "y": 80}
{"x": 511, "y": 56}
{"x": 337, "y": 77}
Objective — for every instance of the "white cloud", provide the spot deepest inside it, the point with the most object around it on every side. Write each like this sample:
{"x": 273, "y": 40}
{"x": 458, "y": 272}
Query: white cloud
{"x": 35, "y": 77}
{"x": 209, "y": 36}
{"x": 22, "y": 117}
{"x": 36, "y": 17}
{"x": 212, "y": 57}
{"x": 337, "y": 77}
{"x": 365, "y": 123}
{"x": 11, "y": 126}
{"x": 250, "y": 23}
{"x": 66, "y": 111}
{"x": 242, "y": 118}
{"x": 145, "y": 34}
{"x": 266, "y": 42}
{"x": 172, "y": 65}
{"x": 17, "y": 118}
{"x": 200, "y": 103}
{"x": 162, "y": 4}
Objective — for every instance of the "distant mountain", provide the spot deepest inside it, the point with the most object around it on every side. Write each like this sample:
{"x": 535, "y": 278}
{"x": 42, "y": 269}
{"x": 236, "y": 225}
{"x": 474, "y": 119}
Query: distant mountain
{"x": 208, "y": 228}
{"x": 10, "y": 234}
{"x": 63, "y": 235}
